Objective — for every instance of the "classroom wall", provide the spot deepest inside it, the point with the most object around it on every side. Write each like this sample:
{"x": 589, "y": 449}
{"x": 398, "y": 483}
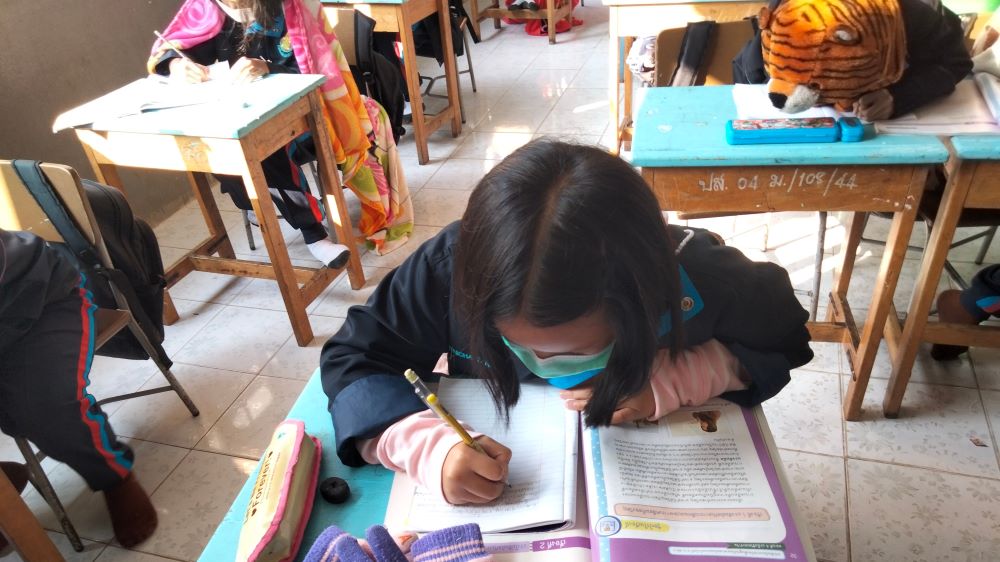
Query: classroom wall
{"x": 56, "y": 54}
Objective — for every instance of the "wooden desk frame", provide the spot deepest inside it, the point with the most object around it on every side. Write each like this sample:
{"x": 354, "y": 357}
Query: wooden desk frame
{"x": 19, "y": 524}
{"x": 888, "y": 188}
{"x": 399, "y": 18}
{"x": 971, "y": 184}
{"x": 628, "y": 19}
{"x": 198, "y": 156}
{"x": 551, "y": 14}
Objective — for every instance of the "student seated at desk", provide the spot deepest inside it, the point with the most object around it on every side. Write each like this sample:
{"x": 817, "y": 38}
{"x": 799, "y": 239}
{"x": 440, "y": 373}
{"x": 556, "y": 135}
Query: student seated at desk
{"x": 936, "y": 57}
{"x": 46, "y": 348}
{"x": 255, "y": 40}
{"x": 564, "y": 269}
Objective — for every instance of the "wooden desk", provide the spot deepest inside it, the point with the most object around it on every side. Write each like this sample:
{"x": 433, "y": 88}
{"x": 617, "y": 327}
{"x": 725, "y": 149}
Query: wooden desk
{"x": 370, "y": 485}
{"x": 973, "y": 182}
{"x": 19, "y": 524}
{"x": 628, "y": 19}
{"x": 680, "y": 145}
{"x": 228, "y": 137}
{"x": 398, "y": 16}
{"x": 552, "y": 14}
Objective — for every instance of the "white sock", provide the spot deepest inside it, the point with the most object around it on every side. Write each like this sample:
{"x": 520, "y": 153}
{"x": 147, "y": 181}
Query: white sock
{"x": 331, "y": 254}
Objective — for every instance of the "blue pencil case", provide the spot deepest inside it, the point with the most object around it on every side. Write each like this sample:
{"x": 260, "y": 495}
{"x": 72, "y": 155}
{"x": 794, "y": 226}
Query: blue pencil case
{"x": 782, "y": 131}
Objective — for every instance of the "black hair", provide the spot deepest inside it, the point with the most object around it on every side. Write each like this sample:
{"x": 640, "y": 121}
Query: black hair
{"x": 264, "y": 12}
{"x": 556, "y": 231}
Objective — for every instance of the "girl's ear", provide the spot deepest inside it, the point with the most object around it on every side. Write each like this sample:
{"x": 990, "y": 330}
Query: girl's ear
{"x": 764, "y": 18}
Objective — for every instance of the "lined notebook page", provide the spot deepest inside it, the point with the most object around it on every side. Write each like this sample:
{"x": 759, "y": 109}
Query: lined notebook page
{"x": 542, "y": 435}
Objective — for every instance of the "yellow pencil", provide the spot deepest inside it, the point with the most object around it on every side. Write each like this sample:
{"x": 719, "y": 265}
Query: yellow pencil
{"x": 434, "y": 404}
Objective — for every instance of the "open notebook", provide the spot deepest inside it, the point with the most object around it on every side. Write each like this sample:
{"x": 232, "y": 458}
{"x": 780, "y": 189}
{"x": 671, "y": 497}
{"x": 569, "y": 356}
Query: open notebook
{"x": 543, "y": 436}
{"x": 152, "y": 93}
{"x": 701, "y": 484}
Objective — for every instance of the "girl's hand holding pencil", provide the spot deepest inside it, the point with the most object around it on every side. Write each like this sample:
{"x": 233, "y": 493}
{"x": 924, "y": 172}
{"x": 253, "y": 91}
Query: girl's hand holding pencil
{"x": 474, "y": 471}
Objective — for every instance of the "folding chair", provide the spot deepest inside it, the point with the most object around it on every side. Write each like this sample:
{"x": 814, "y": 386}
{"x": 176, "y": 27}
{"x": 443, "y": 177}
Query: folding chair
{"x": 75, "y": 227}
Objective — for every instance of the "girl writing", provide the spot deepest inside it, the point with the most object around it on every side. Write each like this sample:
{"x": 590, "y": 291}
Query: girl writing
{"x": 561, "y": 268}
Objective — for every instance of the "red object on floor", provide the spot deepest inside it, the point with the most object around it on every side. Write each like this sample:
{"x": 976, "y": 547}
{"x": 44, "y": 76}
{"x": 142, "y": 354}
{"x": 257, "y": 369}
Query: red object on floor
{"x": 540, "y": 27}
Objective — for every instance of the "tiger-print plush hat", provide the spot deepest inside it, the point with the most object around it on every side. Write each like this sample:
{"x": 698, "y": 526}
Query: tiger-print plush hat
{"x": 831, "y": 52}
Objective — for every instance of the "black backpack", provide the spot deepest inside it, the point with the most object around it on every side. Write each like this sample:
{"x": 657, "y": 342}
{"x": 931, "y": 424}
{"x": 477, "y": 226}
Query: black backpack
{"x": 748, "y": 65}
{"x": 133, "y": 249}
{"x": 377, "y": 77}
{"x": 427, "y": 33}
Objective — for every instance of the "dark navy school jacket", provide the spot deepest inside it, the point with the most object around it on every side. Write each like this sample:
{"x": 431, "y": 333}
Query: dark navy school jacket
{"x": 408, "y": 323}
{"x": 32, "y": 275}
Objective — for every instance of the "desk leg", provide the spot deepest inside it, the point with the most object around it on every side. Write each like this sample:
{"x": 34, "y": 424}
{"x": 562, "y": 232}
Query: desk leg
{"x": 450, "y": 68}
{"x": 333, "y": 193}
{"x": 257, "y": 190}
{"x": 885, "y": 287}
{"x": 170, "y": 315}
{"x": 614, "y": 55}
{"x": 550, "y": 17}
{"x": 845, "y": 264}
{"x": 924, "y": 290}
{"x": 210, "y": 211}
{"x": 18, "y": 523}
{"x": 104, "y": 173}
{"x": 413, "y": 86}
{"x": 474, "y": 16}
{"x": 626, "y": 122}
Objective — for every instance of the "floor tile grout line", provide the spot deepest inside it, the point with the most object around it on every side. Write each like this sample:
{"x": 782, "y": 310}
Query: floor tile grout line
{"x": 931, "y": 469}
{"x": 989, "y": 426}
{"x": 841, "y": 359}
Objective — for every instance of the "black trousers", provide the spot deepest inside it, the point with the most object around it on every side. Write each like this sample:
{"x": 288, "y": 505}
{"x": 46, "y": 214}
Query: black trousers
{"x": 290, "y": 192}
{"x": 43, "y": 393}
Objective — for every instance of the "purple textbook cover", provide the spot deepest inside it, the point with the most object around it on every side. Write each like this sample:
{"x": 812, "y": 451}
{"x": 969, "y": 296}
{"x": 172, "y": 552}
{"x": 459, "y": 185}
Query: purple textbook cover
{"x": 697, "y": 485}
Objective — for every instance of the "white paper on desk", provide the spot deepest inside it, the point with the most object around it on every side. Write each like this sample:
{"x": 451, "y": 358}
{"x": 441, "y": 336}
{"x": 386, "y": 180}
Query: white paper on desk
{"x": 963, "y": 112}
{"x": 752, "y": 103}
{"x": 543, "y": 436}
{"x": 147, "y": 94}
{"x": 219, "y": 71}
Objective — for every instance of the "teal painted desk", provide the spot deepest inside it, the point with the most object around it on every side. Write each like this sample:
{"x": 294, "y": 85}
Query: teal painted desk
{"x": 680, "y": 144}
{"x": 973, "y": 183}
{"x": 231, "y": 137}
{"x": 398, "y": 16}
{"x": 369, "y": 486}
{"x": 628, "y": 19}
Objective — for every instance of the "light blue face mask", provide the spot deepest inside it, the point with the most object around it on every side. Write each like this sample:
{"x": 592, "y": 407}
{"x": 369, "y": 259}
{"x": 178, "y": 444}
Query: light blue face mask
{"x": 562, "y": 371}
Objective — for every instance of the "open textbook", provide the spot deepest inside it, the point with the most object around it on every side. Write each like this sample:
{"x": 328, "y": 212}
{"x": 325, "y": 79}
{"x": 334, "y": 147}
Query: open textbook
{"x": 701, "y": 484}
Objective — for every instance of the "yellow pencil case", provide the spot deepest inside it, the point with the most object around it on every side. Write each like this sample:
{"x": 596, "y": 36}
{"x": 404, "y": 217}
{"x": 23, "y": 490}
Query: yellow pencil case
{"x": 282, "y": 496}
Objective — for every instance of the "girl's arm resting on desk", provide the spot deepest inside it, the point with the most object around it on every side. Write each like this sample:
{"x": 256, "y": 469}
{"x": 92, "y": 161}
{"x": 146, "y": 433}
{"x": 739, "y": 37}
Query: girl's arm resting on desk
{"x": 403, "y": 326}
{"x": 698, "y": 374}
{"x": 937, "y": 58}
{"x": 417, "y": 445}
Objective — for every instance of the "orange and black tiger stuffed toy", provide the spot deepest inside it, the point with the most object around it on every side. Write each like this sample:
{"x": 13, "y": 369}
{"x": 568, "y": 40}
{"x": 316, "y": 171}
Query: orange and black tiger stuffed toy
{"x": 889, "y": 56}
{"x": 831, "y": 52}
